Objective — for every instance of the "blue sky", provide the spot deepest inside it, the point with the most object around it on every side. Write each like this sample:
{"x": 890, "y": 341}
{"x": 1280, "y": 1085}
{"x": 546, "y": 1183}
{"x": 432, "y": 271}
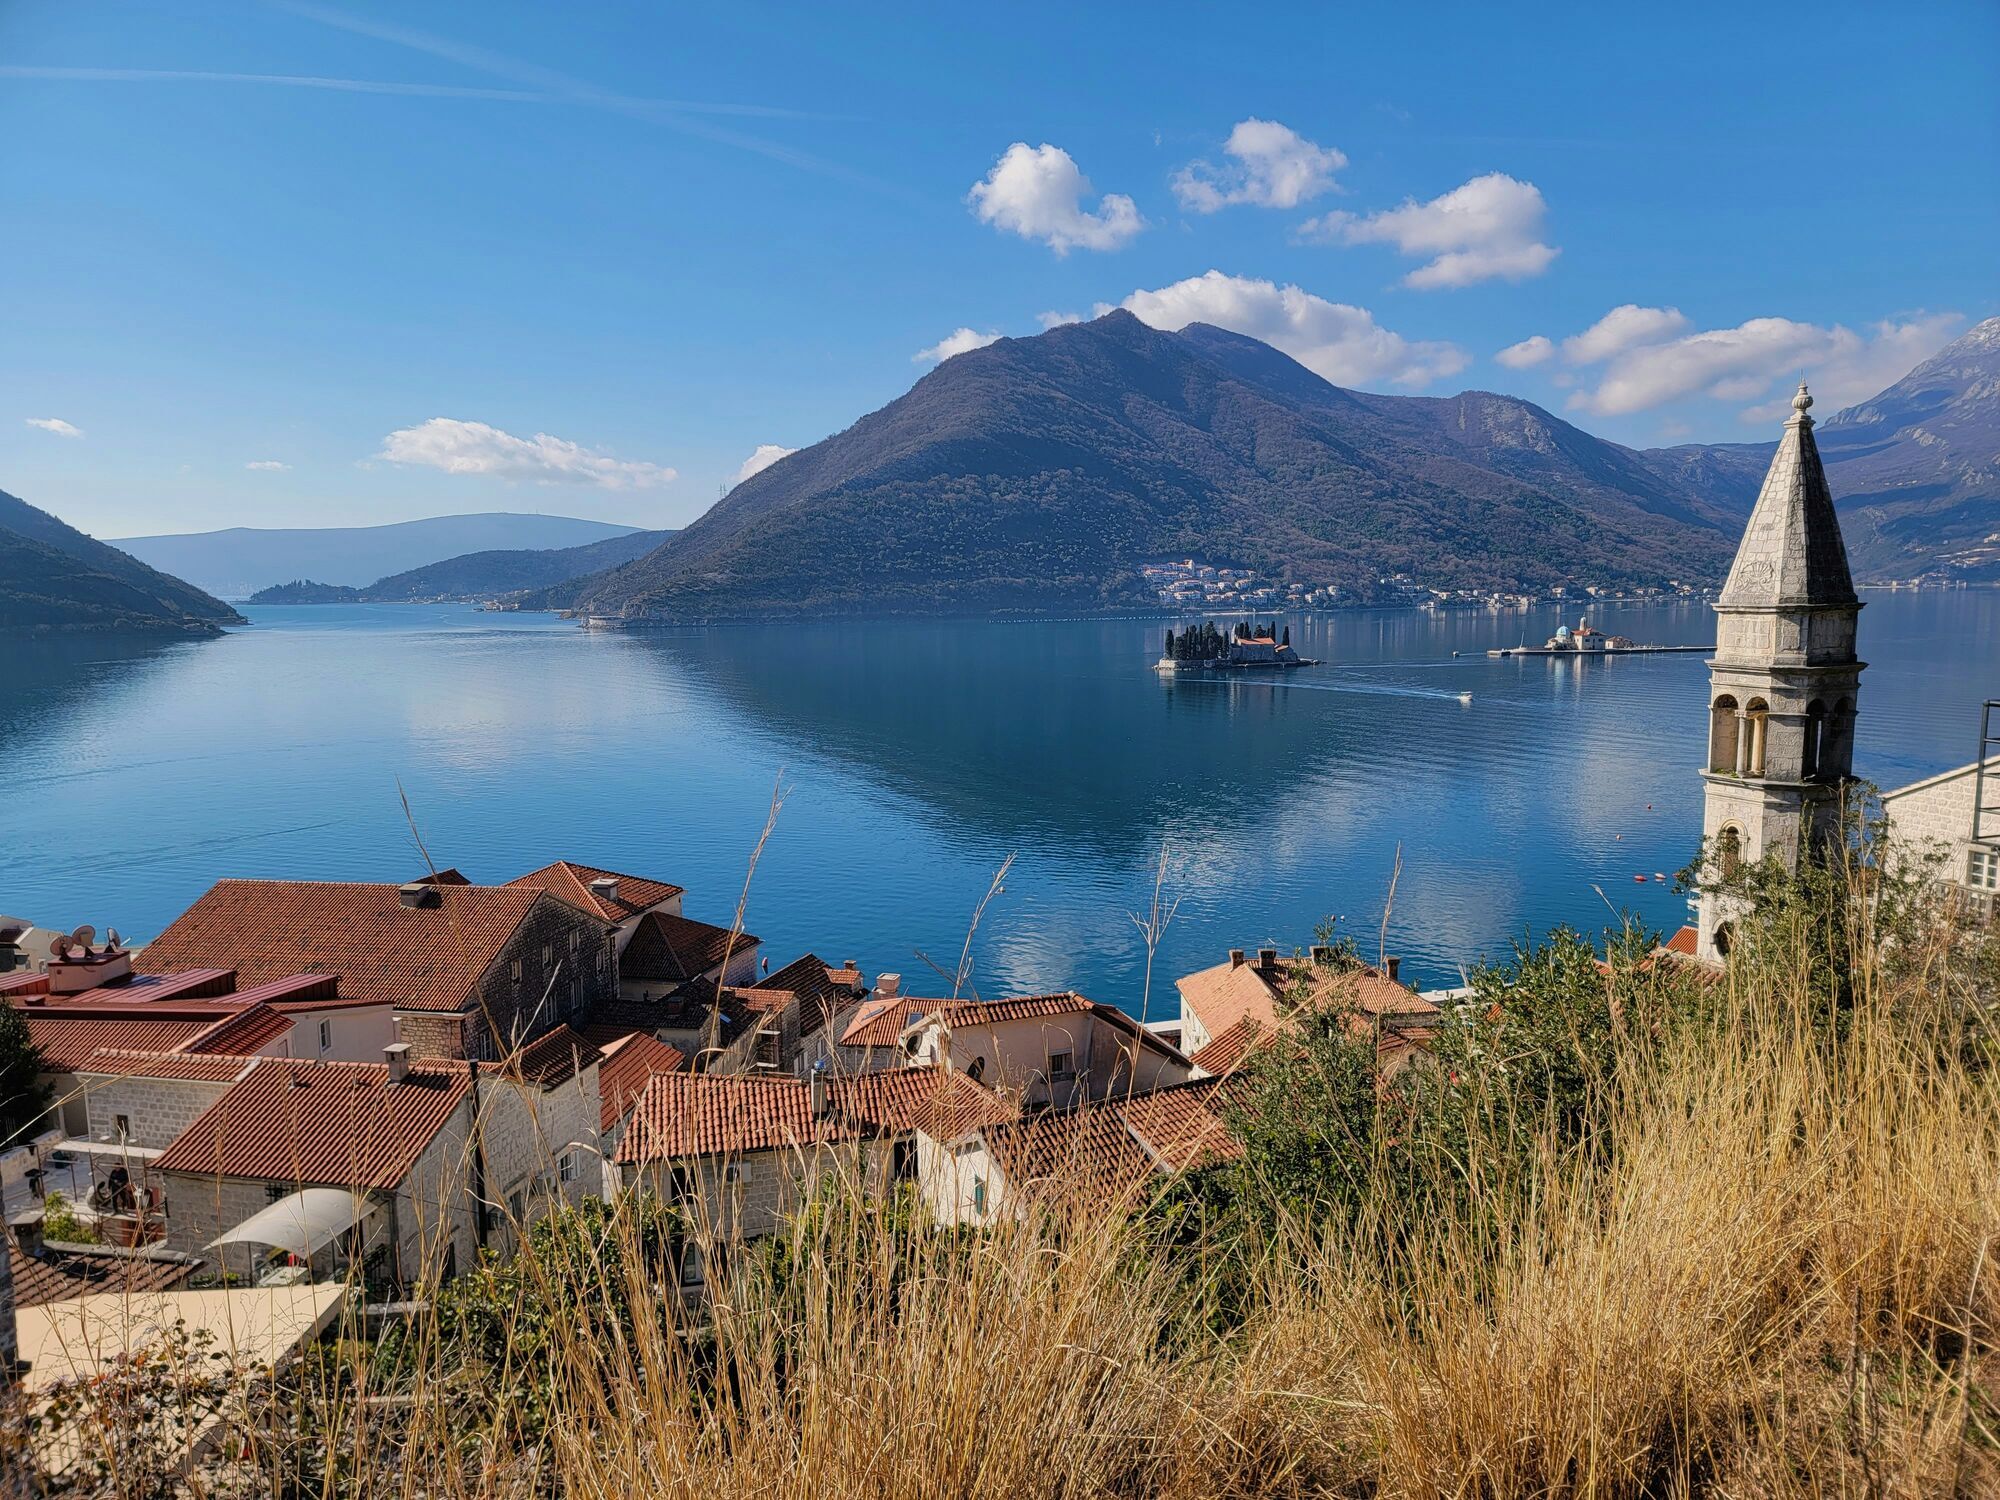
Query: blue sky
{"x": 589, "y": 259}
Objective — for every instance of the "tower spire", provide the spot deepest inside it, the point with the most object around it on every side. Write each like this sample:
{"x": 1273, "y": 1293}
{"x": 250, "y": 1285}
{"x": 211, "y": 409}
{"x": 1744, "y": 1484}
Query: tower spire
{"x": 1784, "y": 678}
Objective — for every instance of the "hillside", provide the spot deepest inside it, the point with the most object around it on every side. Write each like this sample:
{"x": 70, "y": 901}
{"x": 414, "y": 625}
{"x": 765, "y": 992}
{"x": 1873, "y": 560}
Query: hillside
{"x": 235, "y": 563}
{"x": 1915, "y": 470}
{"x": 305, "y": 591}
{"x": 1035, "y": 475}
{"x": 487, "y": 575}
{"x": 53, "y": 577}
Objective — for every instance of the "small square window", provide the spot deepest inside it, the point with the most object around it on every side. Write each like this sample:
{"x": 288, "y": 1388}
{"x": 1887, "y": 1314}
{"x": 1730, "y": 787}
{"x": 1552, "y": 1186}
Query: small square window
{"x": 691, "y": 1265}
{"x": 123, "y": 1125}
{"x": 1982, "y": 870}
{"x": 517, "y": 971}
{"x": 1061, "y": 1065}
{"x": 575, "y": 940}
{"x": 566, "y": 1167}
{"x": 273, "y": 1191}
{"x": 325, "y": 1035}
{"x": 548, "y": 955}
{"x": 736, "y": 1173}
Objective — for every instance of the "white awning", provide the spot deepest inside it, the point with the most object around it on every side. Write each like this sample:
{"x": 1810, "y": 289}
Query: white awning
{"x": 302, "y": 1222}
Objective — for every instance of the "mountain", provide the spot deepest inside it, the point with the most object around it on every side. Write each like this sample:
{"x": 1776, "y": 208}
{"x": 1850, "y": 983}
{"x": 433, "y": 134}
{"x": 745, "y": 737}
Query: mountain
{"x": 53, "y": 577}
{"x": 1915, "y": 471}
{"x": 1038, "y": 474}
{"x": 488, "y": 575}
{"x": 239, "y": 561}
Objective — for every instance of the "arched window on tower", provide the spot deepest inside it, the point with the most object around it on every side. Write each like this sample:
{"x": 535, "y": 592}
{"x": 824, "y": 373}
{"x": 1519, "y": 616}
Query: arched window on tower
{"x": 1725, "y": 939}
{"x": 1722, "y": 735}
{"x": 1756, "y": 719}
{"x": 1729, "y": 851}
{"x": 1837, "y": 747}
{"x": 1815, "y": 728}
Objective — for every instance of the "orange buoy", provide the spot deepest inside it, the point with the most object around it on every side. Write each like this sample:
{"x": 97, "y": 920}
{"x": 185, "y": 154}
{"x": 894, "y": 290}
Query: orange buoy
{"x": 1640, "y": 878}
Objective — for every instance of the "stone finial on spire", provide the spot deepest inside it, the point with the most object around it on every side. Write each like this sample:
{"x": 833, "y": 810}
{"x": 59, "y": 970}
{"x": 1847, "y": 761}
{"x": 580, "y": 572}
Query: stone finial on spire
{"x": 1801, "y": 403}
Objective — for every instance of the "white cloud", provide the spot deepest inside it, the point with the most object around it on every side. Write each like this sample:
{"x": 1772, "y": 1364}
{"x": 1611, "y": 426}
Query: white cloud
{"x": 1489, "y": 227}
{"x": 1342, "y": 343}
{"x": 1050, "y": 320}
{"x": 1620, "y": 329}
{"x": 1272, "y": 166}
{"x": 960, "y": 341}
{"x": 1039, "y": 193}
{"x": 267, "y": 466}
{"x": 1762, "y": 357}
{"x": 1525, "y": 354}
{"x": 766, "y": 455}
{"x": 475, "y": 448}
{"x": 56, "y": 425}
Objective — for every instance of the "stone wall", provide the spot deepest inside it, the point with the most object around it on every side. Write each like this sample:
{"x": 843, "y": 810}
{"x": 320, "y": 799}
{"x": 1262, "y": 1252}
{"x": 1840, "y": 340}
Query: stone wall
{"x": 155, "y": 1109}
{"x": 1931, "y": 820}
{"x": 525, "y": 1132}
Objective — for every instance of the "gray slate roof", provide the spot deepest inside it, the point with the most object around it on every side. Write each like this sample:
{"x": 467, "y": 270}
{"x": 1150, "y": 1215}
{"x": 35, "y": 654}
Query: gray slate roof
{"x": 1792, "y": 553}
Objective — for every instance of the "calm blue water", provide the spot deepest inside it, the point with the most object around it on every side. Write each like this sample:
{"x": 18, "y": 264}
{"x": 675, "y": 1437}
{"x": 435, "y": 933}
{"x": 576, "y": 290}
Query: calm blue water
{"x": 917, "y": 757}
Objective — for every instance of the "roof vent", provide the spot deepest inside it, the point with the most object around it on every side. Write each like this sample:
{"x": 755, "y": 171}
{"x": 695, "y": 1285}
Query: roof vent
{"x": 605, "y": 888}
{"x": 397, "y": 1055}
{"x": 419, "y": 893}
{"x": 1235, "y": 958}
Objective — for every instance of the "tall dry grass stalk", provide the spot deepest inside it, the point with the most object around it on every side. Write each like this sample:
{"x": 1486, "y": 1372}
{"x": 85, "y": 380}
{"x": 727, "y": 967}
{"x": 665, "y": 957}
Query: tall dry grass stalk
{"x": 1769, "y": 1272}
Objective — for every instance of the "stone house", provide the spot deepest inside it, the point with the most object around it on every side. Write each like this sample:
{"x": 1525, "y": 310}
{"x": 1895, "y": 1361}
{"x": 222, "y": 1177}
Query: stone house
{"x": 438, "y": 1158}
{"x": 1049, "y": 1050}
{"x": 1225, "y": 1009}
{"x": 469, "y": 971}
{"x": 621, "y": 900}
{"x": 1939, "y": 819}
{"x": 1099, "y": 1152}
{"x": 630, "y": 1061}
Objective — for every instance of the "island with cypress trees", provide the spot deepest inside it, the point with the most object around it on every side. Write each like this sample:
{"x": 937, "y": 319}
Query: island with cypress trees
{"x": 1244, "y": 647}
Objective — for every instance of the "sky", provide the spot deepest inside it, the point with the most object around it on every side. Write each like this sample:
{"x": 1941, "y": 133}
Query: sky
{"x": 342, "y": 263}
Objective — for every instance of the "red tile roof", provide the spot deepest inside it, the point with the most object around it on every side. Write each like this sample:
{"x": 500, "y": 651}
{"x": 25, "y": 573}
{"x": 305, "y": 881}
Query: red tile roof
{"x": 666, "y": 947}
{"x": 246, "y": 1032}
{"x": 571, "y": 882}
{"x": 155, "y": 988}
{"x": 1226, "y": 1052}
{"x": 58, "y": 1275}
{"x": 199, "y": 1067}
{"x": 879, "y": 1022}
{"x": 419, "y": 958}
{"x": 26, "y": 982}
{"x": 709, "y": 1114}
{"x": 820, "y": 989}
{"x": 1109, "y": 1147}
{"x": 554, "y": 1057}
{"x": 1228, "y": 993}
{"x": 629, "y": 1065}
{"x": 336, "y": 1124}
{"x": 1687, "y": 941}
{"x": 67, "y": 1042}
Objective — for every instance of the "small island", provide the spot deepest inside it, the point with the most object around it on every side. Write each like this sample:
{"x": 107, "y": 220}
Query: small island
{"x": 305, "y": 591}
{"x": 1247, "y": 647}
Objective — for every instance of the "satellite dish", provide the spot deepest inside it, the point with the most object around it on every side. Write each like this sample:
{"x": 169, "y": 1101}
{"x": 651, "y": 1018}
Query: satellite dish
{"x": 59, "y": 946}
{"x": 111, "y": 938}
{"x": 84, "y": 936}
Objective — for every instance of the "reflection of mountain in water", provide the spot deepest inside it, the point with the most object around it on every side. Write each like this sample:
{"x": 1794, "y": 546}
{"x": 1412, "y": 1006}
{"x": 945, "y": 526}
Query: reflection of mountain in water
{"x": 1053, "y": 732}
{"x": 50, "y": 679}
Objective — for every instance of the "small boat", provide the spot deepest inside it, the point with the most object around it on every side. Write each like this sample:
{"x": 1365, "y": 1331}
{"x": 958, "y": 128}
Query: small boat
{"x": 1465, "y": 697}
{"x": 1640, "y": 878}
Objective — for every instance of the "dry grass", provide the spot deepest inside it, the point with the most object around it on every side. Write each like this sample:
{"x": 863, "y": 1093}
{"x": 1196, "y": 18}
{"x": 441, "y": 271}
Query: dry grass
{"x": 1778, "y": 1280}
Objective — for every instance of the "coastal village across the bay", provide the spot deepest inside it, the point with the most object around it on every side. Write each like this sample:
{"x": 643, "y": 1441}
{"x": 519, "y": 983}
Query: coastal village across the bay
{"x": 357, "y": 1089}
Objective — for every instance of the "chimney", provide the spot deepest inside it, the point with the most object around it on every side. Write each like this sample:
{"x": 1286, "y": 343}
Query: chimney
{"x": 397, "y": 1055}
{"x": 1322, "y": 953}
{"x": 888, "y": 986}
{"x": 419, "y": 893}
{"x": 1267, "y": 959}
{"x": 1393, "y": 965}
{"x": 605, "y": 888}
{"x": 1235, "y": 958}
{"x": 26, "y": 1228}
{"x": 817, "y": 1091}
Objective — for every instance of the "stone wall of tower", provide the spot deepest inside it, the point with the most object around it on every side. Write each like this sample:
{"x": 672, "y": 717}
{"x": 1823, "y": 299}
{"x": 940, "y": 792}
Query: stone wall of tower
{"x": 1784, "y": 679}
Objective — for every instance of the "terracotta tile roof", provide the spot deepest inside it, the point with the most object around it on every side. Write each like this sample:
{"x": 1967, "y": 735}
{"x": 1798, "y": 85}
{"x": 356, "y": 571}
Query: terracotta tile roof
{"x": 1226, "y": 1052}
{"x": 57, "y": 1275}
{"x": 67, "y": 1042}
{"x": 1109, "y": 1147}
{"x": 248, "y": 1031}
{"x": 709, "y": 1114}
{"x": 1687, "y": 941}
{"x": 629, "y": 1065}
{"x": 571, "y": 882}
{"x": 554, "y": 1057}
{"x": 1228, "y": 993}
{"x": 819, "y": 988}
{"x": 1016, "y": 1008}
{"x": 1221, "y": 996}
{"x": 760, "y": 1001}
{"x": 199, "y": 1067}
{"x": 449, "y": 875}
{"x": 879, "y": 1022}
{"x": 847, "y": 978}
{"x": 337, "y": 1124}
{"x": 419, "y": 958}
{"x": 665, "y": 947}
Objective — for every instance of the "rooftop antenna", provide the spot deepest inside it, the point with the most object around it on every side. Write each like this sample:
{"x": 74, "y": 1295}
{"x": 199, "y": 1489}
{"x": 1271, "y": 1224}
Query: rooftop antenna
{"x": 84, "y": 936}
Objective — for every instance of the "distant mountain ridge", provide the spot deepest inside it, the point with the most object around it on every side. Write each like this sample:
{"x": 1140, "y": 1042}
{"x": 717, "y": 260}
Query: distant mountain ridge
{"x": 240, "y": 560}
{"x": 1036, "y": 475}
{"x": 475, "y": 576}
{"x": 1915, "y": 469}
{"x": 54, "y": 578}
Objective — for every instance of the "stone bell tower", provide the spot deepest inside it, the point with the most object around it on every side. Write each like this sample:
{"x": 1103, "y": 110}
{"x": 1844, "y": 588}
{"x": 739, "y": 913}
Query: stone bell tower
{"x": 1783, "y": 680}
